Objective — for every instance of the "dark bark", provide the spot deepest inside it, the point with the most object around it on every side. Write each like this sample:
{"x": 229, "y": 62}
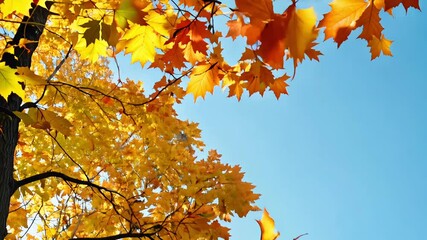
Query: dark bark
{"x": 31, "y": 28}
{"x": 8, "y": 141}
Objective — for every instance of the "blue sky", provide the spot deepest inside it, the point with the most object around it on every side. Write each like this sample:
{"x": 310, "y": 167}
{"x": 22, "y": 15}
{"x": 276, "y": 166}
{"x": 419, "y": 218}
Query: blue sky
{"x": 344, "y": 155}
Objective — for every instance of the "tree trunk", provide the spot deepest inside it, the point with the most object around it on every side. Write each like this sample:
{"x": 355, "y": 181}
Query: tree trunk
{"x": 8, "y": 141}
{"x": 30, "y": 28}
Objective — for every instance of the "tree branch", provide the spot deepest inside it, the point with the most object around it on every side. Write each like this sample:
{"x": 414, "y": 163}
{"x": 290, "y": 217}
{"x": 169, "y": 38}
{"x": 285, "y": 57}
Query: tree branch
{"x": 120, "y": 236}
{"x": 64, "y": 177}
{"x": 300, "y": 236}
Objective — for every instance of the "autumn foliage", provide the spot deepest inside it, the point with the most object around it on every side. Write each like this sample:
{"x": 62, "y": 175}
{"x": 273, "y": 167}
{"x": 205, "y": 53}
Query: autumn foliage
{"x": 101, "y": 156}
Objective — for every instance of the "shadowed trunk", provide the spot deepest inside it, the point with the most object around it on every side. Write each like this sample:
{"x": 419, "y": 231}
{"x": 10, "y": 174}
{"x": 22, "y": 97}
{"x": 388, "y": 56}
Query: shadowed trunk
{"x": 8, "y": 141}
{"x": 30, "y": 28}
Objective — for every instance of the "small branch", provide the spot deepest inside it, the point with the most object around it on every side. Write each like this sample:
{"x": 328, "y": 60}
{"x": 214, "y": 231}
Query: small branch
{"x": 68, "y": 155}
{"x": 300, "y": 236}
{"x": 157, "y": 94}
{"x": 85, "y": 90}
{"x": 54, "y": 73}
{"x": 27, "y": 105}
{"x": 32, "y": 222}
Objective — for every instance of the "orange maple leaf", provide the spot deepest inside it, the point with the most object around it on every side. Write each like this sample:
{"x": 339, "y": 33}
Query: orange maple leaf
{"x": 294, "y": 30}
{"x": 236, "y": 89}
{"x": 203, "y": 79}
{"x": 312, "y": 53}
{"x": 261, "y": 9}
{"x": 379, "y": 45}
{"x": 174, "y": 57}
{"x": 370, "y": 20}
{"x": 258, "y": 78}
{"x": 279, "y": 86}
{"x": 341, "y": 20}
{"x": 272, "y": 49}
{"x": 235, "y": 27}
{"x": 268, "y": 230}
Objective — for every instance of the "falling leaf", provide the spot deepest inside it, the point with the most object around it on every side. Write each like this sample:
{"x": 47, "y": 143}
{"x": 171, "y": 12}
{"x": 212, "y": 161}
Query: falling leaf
{"x": 268, "y": 230}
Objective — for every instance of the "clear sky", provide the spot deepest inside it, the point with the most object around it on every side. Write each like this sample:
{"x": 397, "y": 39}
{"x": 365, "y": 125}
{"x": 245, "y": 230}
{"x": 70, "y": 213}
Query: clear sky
{"x": 344, "y": 155}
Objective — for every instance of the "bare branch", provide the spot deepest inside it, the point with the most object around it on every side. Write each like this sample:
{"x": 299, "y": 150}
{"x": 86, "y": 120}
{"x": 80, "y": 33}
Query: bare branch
{"x": 64, "y": 177}
{"x": 54, "y": 72}
{"x": 122, "y": 235}
{"x": 300, "y": 236}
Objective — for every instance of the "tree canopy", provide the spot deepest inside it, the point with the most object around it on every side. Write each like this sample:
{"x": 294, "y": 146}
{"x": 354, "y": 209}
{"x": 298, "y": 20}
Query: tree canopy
{"x": 88, "y": 155}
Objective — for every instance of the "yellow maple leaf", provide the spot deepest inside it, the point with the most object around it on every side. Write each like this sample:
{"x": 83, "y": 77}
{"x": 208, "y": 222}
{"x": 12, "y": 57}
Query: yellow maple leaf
{"x": 45, "y": 119}
{"x": 9, "y": 82}
{"x": 379, "y": 45}
{"x": 203, "y": 79}
{"x": 93, "y": 51}
{"x": 57, "y": 122}
{"x": 14, "y": 6}
{"x": 141, "y": 42}
{"x": 30, "y": 77}
{"x": 26, "y": 118}
{"x": 159, "y": 23}
{"x": 268, "y": 230}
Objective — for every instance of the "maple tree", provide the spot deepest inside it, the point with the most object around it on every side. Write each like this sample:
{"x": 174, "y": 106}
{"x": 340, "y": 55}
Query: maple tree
{"x": 86, "y": 155}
